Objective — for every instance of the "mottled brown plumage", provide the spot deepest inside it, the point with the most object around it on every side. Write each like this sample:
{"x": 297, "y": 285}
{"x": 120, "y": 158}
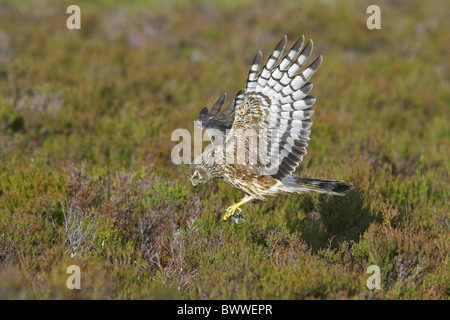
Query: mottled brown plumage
{"x": 260, "y": 138}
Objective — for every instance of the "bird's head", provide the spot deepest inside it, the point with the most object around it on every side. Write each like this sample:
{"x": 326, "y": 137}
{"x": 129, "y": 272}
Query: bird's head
{"x": 199, "y": 174}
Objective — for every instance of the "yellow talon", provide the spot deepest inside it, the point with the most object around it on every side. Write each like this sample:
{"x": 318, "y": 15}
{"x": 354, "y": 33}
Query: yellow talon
{"x": 232, "y": 209}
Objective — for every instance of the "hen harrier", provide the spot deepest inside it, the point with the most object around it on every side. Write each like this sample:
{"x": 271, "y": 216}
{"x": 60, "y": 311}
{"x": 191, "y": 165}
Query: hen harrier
{"x": 274, "y": 107}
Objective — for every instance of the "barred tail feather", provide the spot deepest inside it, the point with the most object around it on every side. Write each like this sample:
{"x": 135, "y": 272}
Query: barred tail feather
{"x": 293, "y": 184}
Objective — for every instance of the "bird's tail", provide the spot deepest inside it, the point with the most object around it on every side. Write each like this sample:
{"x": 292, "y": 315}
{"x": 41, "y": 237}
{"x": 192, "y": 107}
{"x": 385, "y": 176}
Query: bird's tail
{"x": 293, "y": 184}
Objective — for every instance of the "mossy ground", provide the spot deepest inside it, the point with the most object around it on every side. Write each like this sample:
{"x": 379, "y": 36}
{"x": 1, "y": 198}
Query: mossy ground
{"x": 86, "y": 176}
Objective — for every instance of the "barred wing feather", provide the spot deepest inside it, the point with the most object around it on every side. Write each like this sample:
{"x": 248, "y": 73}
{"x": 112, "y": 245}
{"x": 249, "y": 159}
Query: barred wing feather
{"x": 276, "y": 98}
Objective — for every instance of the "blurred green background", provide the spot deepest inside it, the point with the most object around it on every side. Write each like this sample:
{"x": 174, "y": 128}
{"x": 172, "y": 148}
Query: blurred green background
{"x": 86, "y": 177}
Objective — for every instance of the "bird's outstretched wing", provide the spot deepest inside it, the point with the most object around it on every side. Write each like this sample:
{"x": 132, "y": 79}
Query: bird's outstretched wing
{"x": 276, "y": 98}
{"x": 219, "y": 118}
{"x": 215, "y": 119}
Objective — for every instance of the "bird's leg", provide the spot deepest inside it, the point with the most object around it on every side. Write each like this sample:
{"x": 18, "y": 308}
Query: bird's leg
{"x": 232, "y": 209}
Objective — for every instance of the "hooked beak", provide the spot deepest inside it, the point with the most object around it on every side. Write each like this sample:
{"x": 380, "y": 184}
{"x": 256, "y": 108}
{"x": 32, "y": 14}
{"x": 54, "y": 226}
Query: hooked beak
{"x": 193, "y": 184}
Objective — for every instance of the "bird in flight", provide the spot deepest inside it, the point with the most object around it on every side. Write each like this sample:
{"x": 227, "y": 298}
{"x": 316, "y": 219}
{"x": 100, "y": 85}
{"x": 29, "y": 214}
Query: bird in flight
{"x": 259, "y": 139}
